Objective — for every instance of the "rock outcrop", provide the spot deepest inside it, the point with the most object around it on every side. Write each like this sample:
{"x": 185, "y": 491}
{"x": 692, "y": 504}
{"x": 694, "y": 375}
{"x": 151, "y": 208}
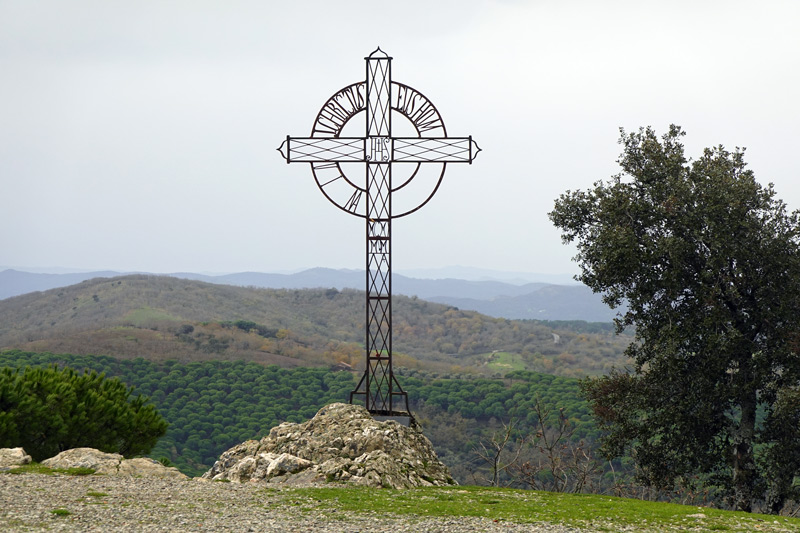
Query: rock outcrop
{"x": 341, "y": 443}
{"x": 13, "y": 457}
{"x": 112, "y": 464}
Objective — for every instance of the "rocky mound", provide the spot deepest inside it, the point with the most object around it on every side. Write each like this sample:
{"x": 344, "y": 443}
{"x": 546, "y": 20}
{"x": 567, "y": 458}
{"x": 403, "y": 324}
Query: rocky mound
{"x": 341, "y": 443}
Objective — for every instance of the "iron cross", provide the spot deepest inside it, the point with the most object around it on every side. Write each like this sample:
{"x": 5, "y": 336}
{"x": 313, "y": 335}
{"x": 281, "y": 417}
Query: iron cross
{"x": 327, "y": 150}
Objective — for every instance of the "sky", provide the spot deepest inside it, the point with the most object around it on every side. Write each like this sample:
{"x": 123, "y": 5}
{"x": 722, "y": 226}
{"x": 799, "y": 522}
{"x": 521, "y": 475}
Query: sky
{"x": 142, "y": 136}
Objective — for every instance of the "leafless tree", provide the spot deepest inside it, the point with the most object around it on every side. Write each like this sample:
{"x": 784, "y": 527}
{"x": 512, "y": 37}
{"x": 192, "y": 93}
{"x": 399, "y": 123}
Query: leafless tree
{"x": 555, "y": 462}
{"x": 501, "y": 453}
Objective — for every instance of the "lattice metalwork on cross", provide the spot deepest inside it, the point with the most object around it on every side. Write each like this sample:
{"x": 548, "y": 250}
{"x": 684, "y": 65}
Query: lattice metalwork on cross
{"x": 372, "y": 193}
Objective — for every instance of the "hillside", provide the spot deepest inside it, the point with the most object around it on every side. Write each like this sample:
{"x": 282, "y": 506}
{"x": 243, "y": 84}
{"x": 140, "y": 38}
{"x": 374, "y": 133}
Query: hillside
{"x": 160, "y": 317}
{"x": 502, "y": 299}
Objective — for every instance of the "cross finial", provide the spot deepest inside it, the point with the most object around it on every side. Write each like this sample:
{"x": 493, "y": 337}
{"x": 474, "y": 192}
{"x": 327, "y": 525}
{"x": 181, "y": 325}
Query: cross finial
{"x": 378, "y": 54}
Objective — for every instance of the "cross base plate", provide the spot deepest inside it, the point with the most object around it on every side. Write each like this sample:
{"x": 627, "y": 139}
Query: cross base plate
{"x": 402, "y": 418}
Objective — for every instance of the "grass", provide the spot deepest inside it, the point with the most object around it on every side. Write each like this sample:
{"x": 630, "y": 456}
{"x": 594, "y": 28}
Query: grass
{"x": 38, "y": 468}
{"x": 602, "y": 513}
{"x": 591, "y": 511}
{"x": 505, "y": 362}
{"x": 145, "y": 316}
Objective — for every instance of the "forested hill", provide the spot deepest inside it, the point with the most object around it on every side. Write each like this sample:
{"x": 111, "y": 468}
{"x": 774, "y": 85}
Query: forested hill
{"x": 503, "y": 299}
{"x": 160, "y": 318}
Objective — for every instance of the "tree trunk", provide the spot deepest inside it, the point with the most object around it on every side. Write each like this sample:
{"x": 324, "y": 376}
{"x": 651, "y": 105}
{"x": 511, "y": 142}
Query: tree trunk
{"x": 744, "y": 467}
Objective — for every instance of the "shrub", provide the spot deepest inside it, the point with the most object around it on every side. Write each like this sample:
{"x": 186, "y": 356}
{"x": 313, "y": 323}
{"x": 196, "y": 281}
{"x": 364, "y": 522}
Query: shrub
{"x": 47, "y": 411}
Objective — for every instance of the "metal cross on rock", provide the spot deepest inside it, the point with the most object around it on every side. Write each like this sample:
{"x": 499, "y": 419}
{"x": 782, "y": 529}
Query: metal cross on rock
{"x": 369, "y": 196}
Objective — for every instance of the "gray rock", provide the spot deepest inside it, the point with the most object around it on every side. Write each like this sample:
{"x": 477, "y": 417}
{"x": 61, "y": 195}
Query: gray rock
{"x": 341, "y": 443}
{"x": 146, "y": 467}
{"x": 11, "y": 457}
{"x": 112, "y": 464}
{"x": 100, "y": 462}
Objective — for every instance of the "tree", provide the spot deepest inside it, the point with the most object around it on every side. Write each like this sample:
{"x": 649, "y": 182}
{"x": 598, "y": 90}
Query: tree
{"x": 47, "y": 411}
{"x": 707, "y": 263}
{"x": 501, "y": 453}
{"x": 556, "y": 462}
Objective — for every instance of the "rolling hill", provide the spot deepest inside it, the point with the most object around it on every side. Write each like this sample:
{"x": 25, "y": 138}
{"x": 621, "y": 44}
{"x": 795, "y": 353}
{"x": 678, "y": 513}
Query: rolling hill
{"x": 501, "y": 299}
{"x": 162, "y": 317}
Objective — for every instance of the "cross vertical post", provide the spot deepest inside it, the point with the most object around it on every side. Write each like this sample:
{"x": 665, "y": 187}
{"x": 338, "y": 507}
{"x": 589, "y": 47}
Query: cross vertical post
{"x": 378, "y": 384}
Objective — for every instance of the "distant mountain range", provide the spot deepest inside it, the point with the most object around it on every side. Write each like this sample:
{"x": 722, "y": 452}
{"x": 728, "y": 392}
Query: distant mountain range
{"x": 502, "y": 299}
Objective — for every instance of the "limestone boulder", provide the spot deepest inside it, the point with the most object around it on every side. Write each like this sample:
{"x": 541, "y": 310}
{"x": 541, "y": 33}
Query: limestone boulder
{"x": 146, "y": 467}
{"x": 342, "y": 443}
{"x": 100, "y": 462}
{"x": 12, "y": 457}
{"x": 112, "y": 464}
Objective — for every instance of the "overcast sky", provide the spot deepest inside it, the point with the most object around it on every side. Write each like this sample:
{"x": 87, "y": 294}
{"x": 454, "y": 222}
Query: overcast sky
{"x": 142, "y": 135}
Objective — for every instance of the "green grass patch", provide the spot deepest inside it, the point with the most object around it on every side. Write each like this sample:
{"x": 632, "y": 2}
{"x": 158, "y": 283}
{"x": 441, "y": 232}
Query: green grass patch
{"x": 504, "y": 362}
{"x": 96, "y": 494}
{"x": 38, "y": 468}
{"x": 147, "y": 316}
{"x": 603, "y": 513}
{"x": 61, "y": 512}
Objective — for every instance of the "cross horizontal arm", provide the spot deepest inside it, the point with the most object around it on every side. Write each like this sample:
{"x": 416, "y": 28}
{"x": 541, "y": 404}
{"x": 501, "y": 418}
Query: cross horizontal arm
{"x": 404, "y": 149}
{"x": 434, "y": 150}
{"x": 314, "y": 149}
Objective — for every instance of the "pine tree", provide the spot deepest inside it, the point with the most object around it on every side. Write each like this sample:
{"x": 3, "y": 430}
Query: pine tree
{"x": 47, "y": 411}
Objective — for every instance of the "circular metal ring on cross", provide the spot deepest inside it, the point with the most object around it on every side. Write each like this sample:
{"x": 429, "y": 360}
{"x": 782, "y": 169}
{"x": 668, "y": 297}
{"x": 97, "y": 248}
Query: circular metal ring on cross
{"x": 327, "y": 150}
{"x": 346, "y": 104}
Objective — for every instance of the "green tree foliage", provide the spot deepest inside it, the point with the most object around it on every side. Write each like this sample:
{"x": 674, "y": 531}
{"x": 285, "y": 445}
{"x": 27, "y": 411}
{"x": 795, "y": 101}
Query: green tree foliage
{"x": 249, "y": 325}
{"x": 47, "y": 411}
{"x": 708, "y": 262}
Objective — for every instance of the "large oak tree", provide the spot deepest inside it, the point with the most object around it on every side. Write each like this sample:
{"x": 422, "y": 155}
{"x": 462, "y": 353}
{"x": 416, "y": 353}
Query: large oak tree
{"x": 704, "y": 263}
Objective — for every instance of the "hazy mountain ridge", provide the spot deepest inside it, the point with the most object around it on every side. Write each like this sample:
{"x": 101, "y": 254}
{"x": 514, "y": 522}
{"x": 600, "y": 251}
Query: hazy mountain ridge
{"x": 533, "y": 300}
{"x": 549, "y": 302}
{"x": 16, "y": 282}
